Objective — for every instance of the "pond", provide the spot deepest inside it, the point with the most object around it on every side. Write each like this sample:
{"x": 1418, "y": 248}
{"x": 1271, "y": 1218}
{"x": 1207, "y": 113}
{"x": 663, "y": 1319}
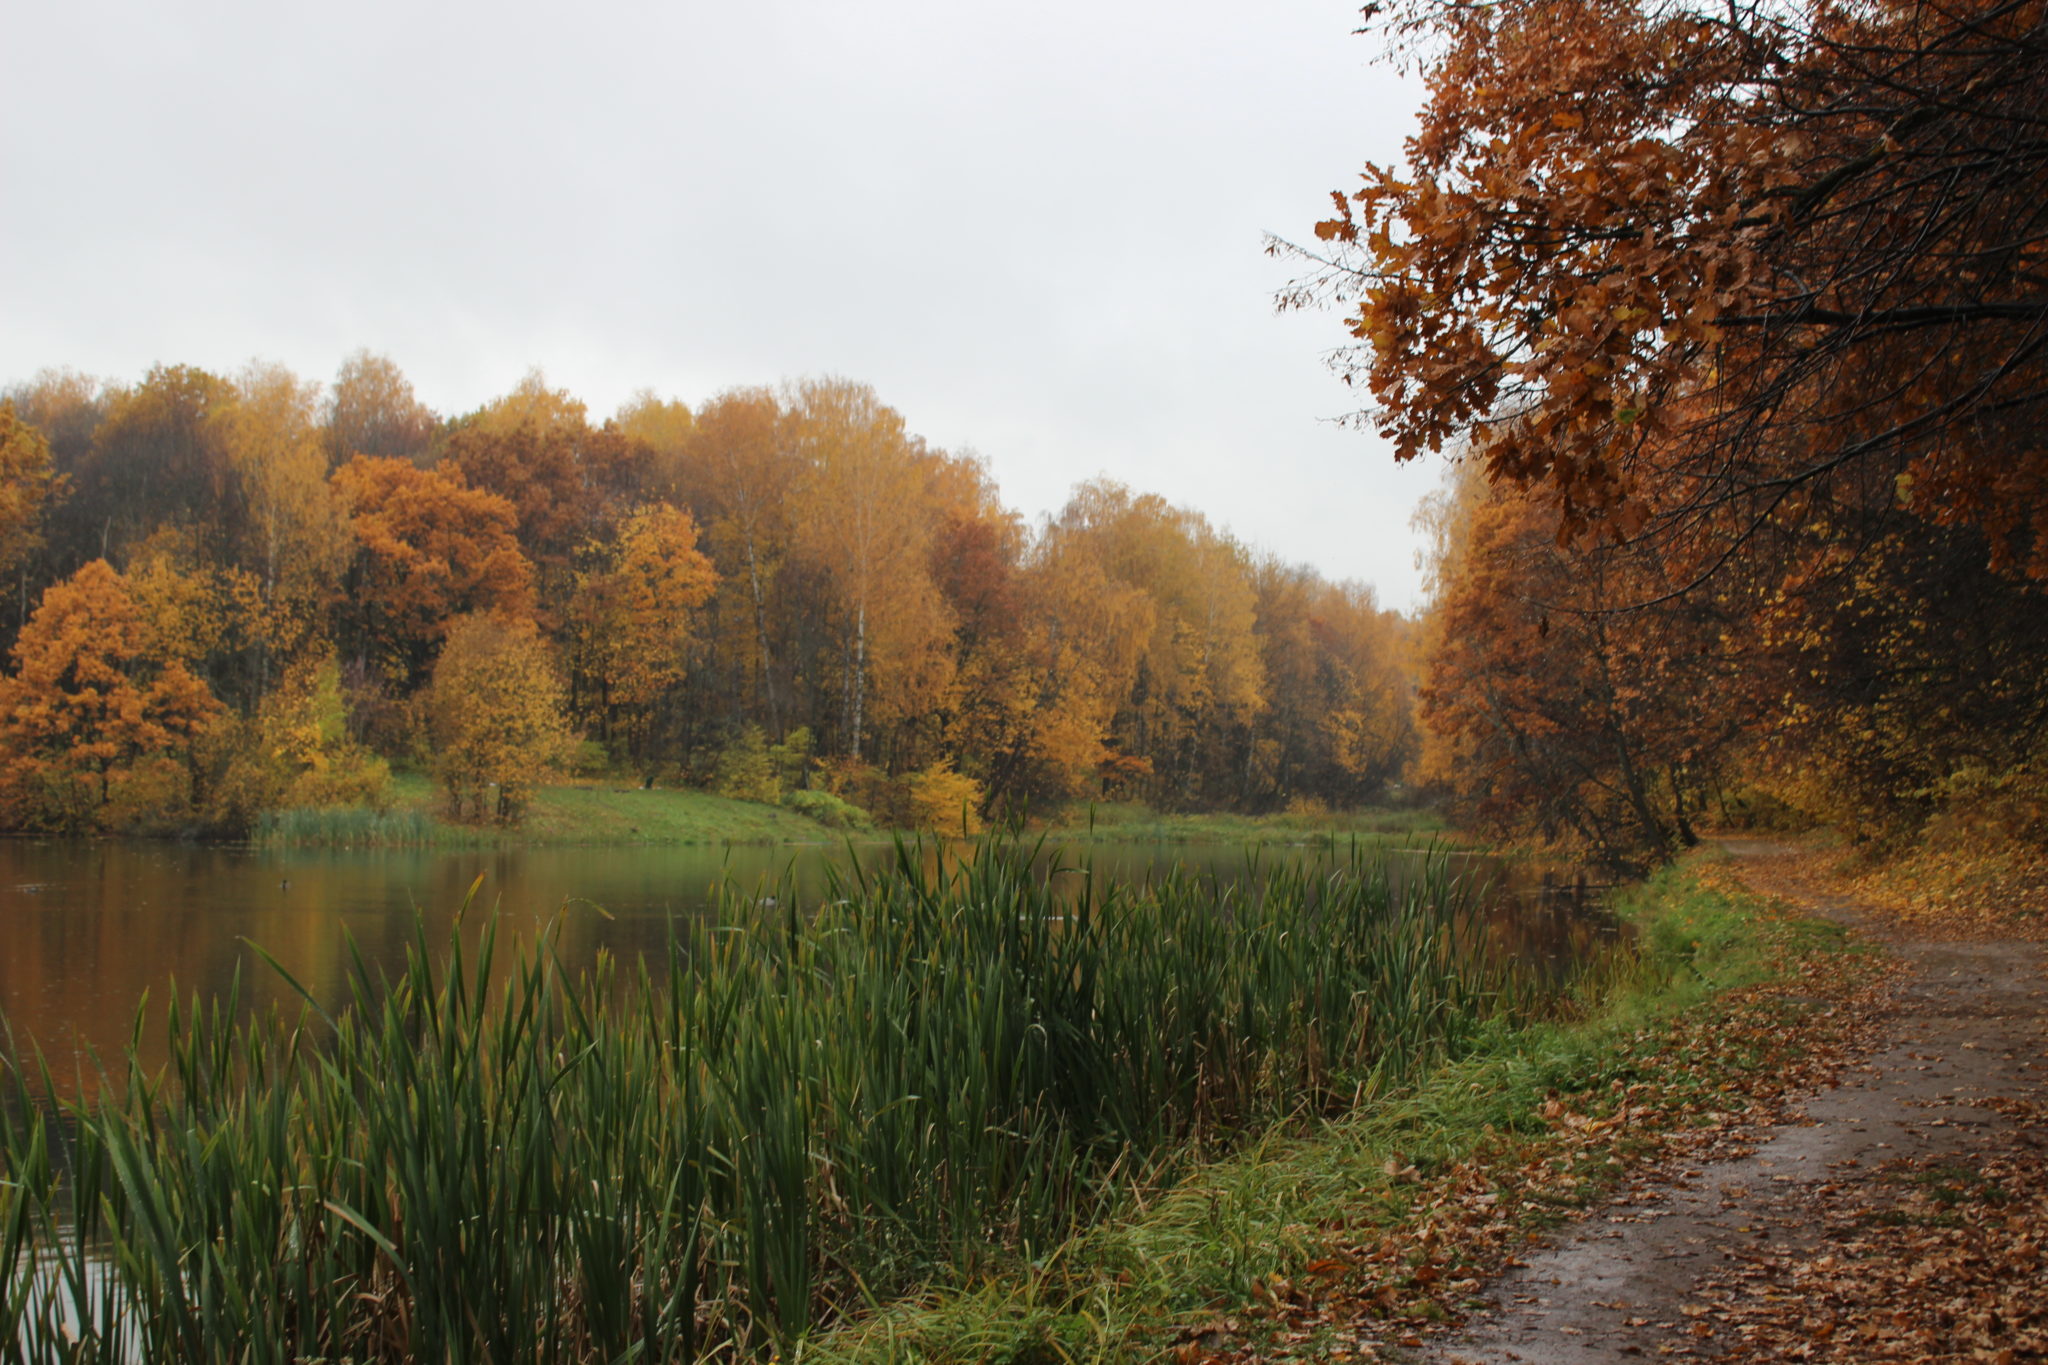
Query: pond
{"x": 88, "y": 927}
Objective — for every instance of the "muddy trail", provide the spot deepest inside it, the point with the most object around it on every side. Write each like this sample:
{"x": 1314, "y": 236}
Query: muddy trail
{"x": 1892, "y": 1217}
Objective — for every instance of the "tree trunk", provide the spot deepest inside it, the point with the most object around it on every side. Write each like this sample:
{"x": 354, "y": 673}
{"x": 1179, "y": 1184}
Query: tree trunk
{"x": 858, "y": 704}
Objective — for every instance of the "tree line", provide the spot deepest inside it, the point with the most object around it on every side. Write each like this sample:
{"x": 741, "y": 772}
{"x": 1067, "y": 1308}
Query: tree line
{"x": 1735, "y": 322}
{"x": 240, "y": 593}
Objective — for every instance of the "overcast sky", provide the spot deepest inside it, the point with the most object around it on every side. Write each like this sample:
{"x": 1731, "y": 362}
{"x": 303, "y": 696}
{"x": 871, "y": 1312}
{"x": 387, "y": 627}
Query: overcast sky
{"x": 1036, "y": 230}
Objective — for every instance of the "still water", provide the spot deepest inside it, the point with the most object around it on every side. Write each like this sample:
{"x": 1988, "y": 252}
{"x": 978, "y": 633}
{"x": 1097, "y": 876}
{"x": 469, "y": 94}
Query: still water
{"x": 87, "y": 928}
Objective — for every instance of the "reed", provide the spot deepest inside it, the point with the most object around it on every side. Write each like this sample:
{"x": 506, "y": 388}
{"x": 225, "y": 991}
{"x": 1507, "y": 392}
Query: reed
{"x": 360, "y": 827}
{"x": 794, "y": 1116}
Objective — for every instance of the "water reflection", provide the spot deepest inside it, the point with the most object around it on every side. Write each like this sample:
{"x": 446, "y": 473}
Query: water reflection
{"x": 1551, "y": 920}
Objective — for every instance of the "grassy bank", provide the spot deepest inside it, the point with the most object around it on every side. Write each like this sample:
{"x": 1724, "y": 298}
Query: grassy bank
{"x": 600, "y": 813}
{"x": 1331, "y": 1238}
{"x": 1124, "y": 822}
{"x": 932, "y": 1081}
{"x": 578, "y": 814}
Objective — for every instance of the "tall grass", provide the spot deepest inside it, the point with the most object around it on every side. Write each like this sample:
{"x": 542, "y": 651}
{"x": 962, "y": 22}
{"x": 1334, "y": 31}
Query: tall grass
{"x": 794, "y": 1116}
{"x": 359, "y": 827}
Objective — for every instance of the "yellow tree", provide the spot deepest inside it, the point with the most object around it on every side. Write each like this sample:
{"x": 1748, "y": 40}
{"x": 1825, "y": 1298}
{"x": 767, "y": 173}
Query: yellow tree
{"x": 1339, "y": 725}
{"x": 530, "y": 404}
{"x": 93, "y": 692}
{"x": 1200, "y": 682}
{"x": 738, "y": 471}
{"x": 865, "y": 520}
{"x": 1084, "y": 634}
{"x": 664, "y": 426}
{"x": 206, "y": 614}
{"x": 295, "y": 540}
{"x": 495, "y": 715}
{"x": 27, "y": 484}
{"x": 373, "y": 411}
{"x": 295, "y": 752}
{"x": 632, "y": 625}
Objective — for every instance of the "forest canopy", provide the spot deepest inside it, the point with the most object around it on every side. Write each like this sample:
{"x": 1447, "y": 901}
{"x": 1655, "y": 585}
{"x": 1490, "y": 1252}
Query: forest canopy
{"x": 235, "y": 593}
{"x": 1736, "y": 319}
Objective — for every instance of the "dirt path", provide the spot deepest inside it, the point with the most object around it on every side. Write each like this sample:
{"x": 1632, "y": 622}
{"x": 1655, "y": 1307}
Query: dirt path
{"x": 1930, "y": 1141}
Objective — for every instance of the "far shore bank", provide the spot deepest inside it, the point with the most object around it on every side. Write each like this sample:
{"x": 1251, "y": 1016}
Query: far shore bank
{"x": 614, "y": 812}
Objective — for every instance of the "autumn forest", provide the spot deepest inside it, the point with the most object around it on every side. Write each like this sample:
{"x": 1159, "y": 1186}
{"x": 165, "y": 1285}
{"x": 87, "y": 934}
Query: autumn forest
{"x": 233, "y": 594}
{"x": 1734, "y": 324}
{"x": 1726, "y": 707}
{"x": 1731, "y": 333}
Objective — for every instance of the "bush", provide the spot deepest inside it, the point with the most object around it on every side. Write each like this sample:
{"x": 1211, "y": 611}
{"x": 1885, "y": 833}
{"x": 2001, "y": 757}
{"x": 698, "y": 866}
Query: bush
{"x": 828, "y": 810}
{"x": 864, "y": 785}
{"x": 588, "y": 758}
{"x": 744, "y": 770}
{"x": 295, "y": 753}
{"x": 791, "y": 760}
{"x": 944, "y": 801}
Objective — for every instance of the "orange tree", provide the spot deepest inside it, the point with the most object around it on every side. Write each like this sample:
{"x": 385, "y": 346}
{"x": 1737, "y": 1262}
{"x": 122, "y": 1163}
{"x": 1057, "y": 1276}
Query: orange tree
{"x": 1741, "y": 256}
{"x": 1555, "y": 715}
{"x": 1755, "y": 297}
{"x": 92, "y": 694}
{"x": 567, "y": 482}
{"x": 427, "y": 547}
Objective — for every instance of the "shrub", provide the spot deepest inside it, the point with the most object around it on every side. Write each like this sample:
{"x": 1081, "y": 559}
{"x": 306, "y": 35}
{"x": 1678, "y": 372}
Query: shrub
{"x": 743, "y": 770}
{"x": 866, "y": 786}
{"x": 295, "y": 753}
{"x": 791, "y": 759}
{"x": 588, "y": 758}
{"x": 828, "y": 810}
{"x": 943, "y": 800}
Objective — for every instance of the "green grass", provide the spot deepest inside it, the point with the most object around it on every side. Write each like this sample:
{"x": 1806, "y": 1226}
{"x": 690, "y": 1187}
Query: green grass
{"x": 601, "y": 813}
{"x": 1128, "y": 822}
{"x": 580, "y": 814}
{"x": 789, "y": 1124}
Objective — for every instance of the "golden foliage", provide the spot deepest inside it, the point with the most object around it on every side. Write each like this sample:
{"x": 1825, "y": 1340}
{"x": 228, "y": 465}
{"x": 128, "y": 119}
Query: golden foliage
{"x": 795, "y": 561}
{"x": 373, "y": 411}
{"x": 940, "y": 799}
{"x": 295, "y": 753}
{"x": 94, "y": 694}
{"x": 634, "y": 619}
{"x": 296, "y": 540}
{"x": 26, "y": 486}
{"x": 495, "y": 715}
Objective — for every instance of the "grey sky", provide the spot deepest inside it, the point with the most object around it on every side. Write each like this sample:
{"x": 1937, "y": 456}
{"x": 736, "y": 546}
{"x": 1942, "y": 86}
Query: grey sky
{"x": 1034, "y": 229}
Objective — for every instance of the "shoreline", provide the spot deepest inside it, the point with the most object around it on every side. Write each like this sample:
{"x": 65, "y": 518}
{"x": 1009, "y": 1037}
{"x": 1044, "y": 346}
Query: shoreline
{"x": 599, "y": 814}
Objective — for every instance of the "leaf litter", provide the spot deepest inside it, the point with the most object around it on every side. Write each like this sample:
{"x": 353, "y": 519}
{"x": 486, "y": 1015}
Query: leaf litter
{"x": 1929, "y": 1256}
